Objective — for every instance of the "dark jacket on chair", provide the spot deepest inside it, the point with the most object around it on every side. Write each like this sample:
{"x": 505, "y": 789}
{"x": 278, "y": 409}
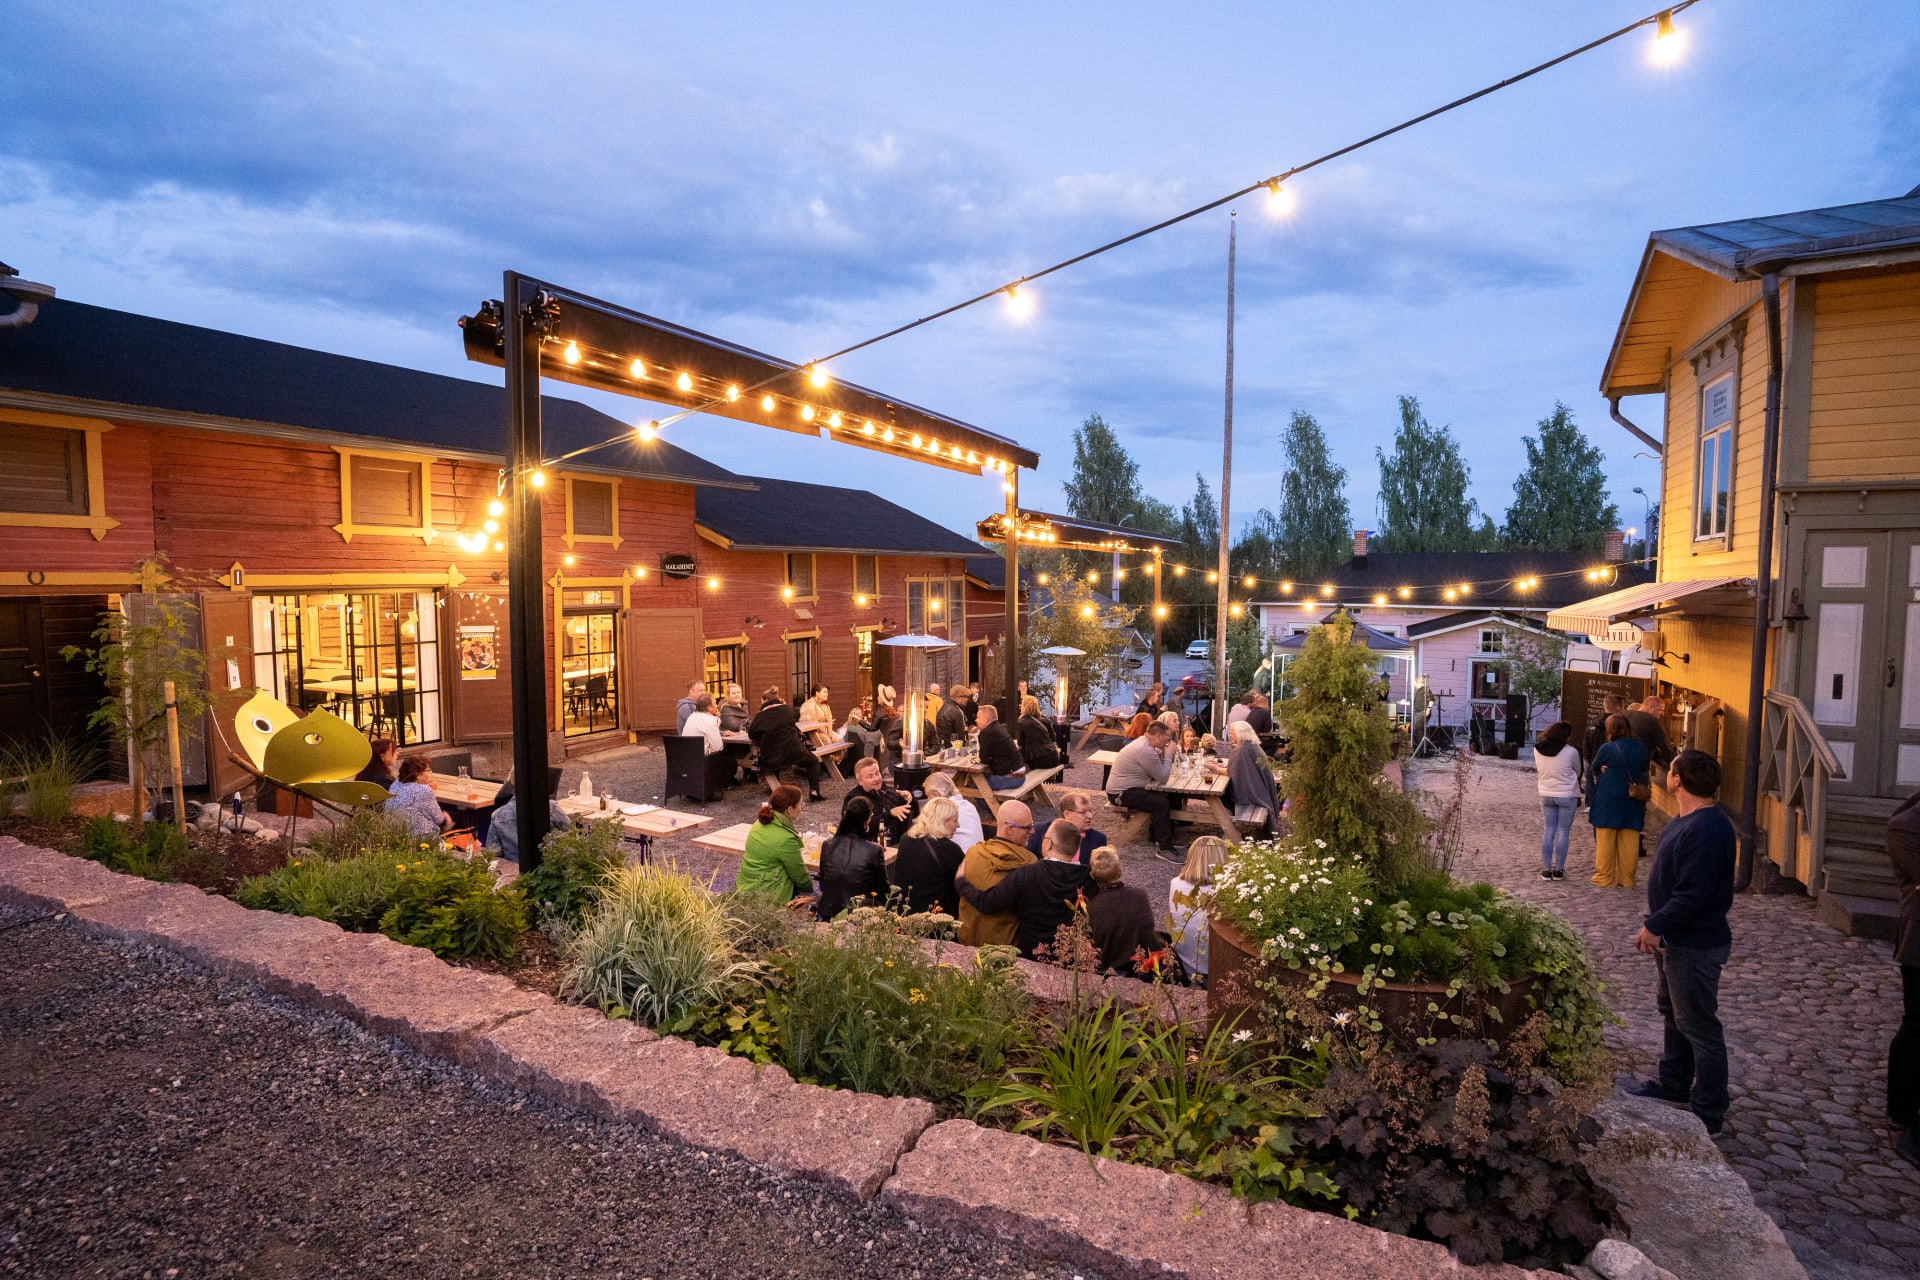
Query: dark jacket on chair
{"x": 776, "y": 731}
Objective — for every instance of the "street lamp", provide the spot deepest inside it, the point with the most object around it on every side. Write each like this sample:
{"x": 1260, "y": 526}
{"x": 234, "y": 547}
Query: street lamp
{"x": 1646, "y": 526}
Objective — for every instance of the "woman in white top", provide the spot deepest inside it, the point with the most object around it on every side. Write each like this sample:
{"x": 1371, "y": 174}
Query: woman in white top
{"x": 1190, "y": 902}
{"x": 968, "y": 832}
{"x": 1557, "y": 775}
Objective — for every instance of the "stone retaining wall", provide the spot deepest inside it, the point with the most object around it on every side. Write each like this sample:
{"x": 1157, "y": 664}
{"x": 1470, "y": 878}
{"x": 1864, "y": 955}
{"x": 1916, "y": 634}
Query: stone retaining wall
{"x": 1102, "y": 1214}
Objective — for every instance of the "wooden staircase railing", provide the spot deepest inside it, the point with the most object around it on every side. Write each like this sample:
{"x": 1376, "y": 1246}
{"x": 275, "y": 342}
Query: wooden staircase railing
{"x": 1795, "y": 771}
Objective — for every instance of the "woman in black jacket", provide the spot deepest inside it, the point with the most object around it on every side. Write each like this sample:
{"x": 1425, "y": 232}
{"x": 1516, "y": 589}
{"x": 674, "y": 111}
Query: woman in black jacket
{"x": 853, "y": 869}
{"x": 776, "y": 731}
{"x": 1035, "y": 734}
{"x": 924, "y": 867}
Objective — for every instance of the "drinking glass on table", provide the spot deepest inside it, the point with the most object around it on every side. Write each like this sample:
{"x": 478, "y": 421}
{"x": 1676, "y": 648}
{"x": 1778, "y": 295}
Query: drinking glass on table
{"x": 466, "y": 780}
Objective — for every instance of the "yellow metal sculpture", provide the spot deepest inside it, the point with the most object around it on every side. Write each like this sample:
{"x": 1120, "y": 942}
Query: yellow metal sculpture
{"x": 315, "y": 755}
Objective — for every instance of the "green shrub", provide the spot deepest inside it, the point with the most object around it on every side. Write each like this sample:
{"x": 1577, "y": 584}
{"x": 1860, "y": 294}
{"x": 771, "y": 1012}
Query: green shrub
{"x": 452, "y": 907}
{"x": 157, "y": 852}
{"x": 757, "y": 923}
{"x": 353, "y": 893}
{"x": 46, "y": 774}
{"x": 1084, "y": 1083}
{"x": 574, "y": 865}
{"x": 361, "y": 832}
{"x": 865, "y": 1008}
{"x": 654, "y": 947}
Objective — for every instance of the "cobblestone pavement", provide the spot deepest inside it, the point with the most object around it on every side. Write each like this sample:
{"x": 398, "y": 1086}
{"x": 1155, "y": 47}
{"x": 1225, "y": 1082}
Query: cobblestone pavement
{"x": 1808, "y": 1014}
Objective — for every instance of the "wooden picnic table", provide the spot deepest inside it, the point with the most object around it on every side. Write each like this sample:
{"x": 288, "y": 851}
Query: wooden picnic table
{"x": 638, "y": 819}
{"x": 473, "y": 793}
{"x": 1105, "y": 760}
{"x": 1105, "y": 720}
{"x": 970, "y": 779}
{"x": 1206, "y": 786}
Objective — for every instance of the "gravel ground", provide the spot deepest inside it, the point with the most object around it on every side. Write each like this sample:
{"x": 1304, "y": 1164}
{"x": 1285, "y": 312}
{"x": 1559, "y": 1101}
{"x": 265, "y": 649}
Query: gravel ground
{"x": 1808, "y": 1013}
{"x": 162, "y": 1123}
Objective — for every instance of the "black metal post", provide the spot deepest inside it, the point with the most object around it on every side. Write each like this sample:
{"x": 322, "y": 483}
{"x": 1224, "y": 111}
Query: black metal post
{"x": 1010, "y": 648}
{"x": 526, "y": 603}
{"x": 1159, "y": 572}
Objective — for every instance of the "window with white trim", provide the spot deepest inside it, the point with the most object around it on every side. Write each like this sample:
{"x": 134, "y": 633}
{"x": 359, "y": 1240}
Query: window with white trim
{"x": 1713, "y": 489}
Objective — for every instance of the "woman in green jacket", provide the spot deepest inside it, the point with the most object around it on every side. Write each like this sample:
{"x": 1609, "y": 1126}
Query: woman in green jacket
{"x": 771, "y": 864}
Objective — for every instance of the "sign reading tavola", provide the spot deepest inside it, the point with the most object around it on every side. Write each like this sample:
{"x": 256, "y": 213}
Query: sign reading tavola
{"x": 1624, "y": 635}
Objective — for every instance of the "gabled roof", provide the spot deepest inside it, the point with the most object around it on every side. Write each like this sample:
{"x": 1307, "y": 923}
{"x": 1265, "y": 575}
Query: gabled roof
{"x": 1679, "y": 261}
{"x": 1449, "y": 622}
{"x": 790, "y": 515}
{"x": 133, "y": 367}
{"x": 1491, "y": 577}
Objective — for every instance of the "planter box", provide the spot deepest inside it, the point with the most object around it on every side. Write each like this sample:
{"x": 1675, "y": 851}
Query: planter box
{"x": 1235, "y": 969}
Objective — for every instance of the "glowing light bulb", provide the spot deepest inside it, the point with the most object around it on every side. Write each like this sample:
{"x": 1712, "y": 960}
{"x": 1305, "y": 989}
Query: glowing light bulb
{"x": 1406, "y": 593}
{"x": 1120, "y": 575}
{"x": 1279, "y": 199}
{"x": 567, "y": 560}
{"x": 1160, "y": 611}
{"x": 933, "y": 446}
{"x": 806, "y": 412}
{"x": 887, "y": 435}
{"x": 834, "y": 421}
{"x": 1093, "y": 575}
{"x": 1451, "y": 593}
{"x": 1086, "y": 611}
{"x": 1213, "y": 575}
{"x": 786, "y": 593}
{"x": 1248, "y": 580}
{"x": 1179, "y": 571}
{"x": 1327, "y": 589}
{"x": 1043, "y": 579}
{"x": 1006, "y": 487}
{"x": 868, "y": 429}
{"x": 817, "y": 375}
{"x": 860, "y": 601}
{"x": 974, "y": 457}
{"x": 766, "y": 404}
{"x": 647, "y": 431}
{"x": 684, "y": 382}
{"x": 538, "y": 479}
{"x": 1668, "y": 43}
{"x": 496, "y": 508}
{"x": 499, "y": 546}
{"x": 1233, "y": 610}
{"x": 1466, "y": 588}
{"x": 491, "y": 526}
{"x": 917, "y": 441}
{"x": 733, "y": 393}
{"x": 1019, "y": 302}
{"x": 572, "y": 354}
{"x": 713, "y": 584}
{"x": 639, "y": 571}
{"x": 1380, "y": 599}
{"x": 1286, "y": 588}
{"x": 638, "y": 369}
{"x": 1306, "y": 606}
{"x": 933, "y": 605}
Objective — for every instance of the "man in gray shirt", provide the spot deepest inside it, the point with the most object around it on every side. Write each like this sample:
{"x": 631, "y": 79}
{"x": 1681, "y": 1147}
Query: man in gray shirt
{"x": 1141, "y": 764}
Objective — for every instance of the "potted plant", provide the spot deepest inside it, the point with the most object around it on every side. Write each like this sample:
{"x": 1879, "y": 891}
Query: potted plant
{"x": 1355, "y": 907}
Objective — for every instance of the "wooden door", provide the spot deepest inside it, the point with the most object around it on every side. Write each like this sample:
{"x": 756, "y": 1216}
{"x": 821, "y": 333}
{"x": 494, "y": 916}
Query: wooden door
{"x": 1849, "y": 674}
{"x": 23, "y": 672}
{"x": 226, "y": 620}
{"x": 479, "y": 676}
{"x": 664, "y": 654}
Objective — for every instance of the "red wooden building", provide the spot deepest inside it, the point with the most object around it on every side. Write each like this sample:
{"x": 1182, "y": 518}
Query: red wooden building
{"x": 334, "y": 518}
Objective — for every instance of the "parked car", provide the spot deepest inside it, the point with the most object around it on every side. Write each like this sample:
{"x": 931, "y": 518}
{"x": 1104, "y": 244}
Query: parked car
{"x": 1200, "y": 649}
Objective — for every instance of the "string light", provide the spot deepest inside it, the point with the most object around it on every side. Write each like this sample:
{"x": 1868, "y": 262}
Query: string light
{"x": 1406, "y": 593}
{"x": 1234, "y": 609}
{"x": 1279, "y": 199}
{"x": 1668, "y": 43}
{"x": 647, "y": 431}
{"x": 1380, "y": 599}
{"x": 491, "y": 526}
{"x": 640, "y": 571}
{"x": 867, "y": 430}
{"x": 567, "y": 560}
{"x": 1160, "y": 611}
{"x": 860, "y": 601}
{"x": 1326, "y": 589}
{"x": 834, "y": 421}
{"x": 806, "y": 412}
{"x": 638, "y": 369}
{"x": 817, "y": 375}
{"x": 1250, "y": 581}
{"x": 1019, "y": 302}
{"x": 496, "y": 508}
{"x": 572, "y": 354}
{"x": 1086, "y": 611}
{"x": 684, "y": 382}
{"x": 1179, "y": 571}
{"x": 713, "y": 584}
{"x": 1213, "y": 575}
{"x": 887, "y": 435}
{"x": 733, "y": 392}
{"x": 1093, "y": 575}
{"x": 786, "y": 593}
{"x": 1043, "y": 579}
{"x": 499, "y": 546}
{"x": 538, "y": 479}
{"x": 766, "y": 404}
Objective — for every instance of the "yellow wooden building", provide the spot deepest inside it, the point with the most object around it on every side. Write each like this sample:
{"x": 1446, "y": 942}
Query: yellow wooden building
{"x": 1787, "y": 350}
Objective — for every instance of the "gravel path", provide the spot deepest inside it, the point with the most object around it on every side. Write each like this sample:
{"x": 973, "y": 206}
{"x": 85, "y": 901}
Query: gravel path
{"x": 160, "y": 1123}
{"x": 1808, "y": 1012}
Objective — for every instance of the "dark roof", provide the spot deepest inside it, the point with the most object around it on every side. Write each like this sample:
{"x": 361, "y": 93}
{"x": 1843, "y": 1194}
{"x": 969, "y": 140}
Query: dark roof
{"x": 1467, "y": 617}
{"x": 109, "y": 358}
{"x": 1741, "y": 247}
{"x": 1491, "y": 575}
{"x": 1373, "y": 638}
{"x": 790, "y": 515}
{"x": 989, "y": 569}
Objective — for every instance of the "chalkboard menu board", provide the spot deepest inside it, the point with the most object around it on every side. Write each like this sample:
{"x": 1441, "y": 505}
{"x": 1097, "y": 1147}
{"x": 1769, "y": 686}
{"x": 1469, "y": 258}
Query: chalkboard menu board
{"x": 1583, "y": 694}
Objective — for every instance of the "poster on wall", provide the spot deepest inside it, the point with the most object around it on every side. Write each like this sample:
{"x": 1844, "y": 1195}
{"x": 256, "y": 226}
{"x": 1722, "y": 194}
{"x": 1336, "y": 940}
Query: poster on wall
{"x": 479, "y": 655}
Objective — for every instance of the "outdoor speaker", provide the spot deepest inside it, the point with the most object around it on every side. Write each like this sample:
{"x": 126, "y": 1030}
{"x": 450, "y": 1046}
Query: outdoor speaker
{"x": 1517, "y": 719}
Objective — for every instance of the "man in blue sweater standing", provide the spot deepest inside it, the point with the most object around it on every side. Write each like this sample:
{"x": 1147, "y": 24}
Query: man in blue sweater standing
{"x": 1689, "y": 893}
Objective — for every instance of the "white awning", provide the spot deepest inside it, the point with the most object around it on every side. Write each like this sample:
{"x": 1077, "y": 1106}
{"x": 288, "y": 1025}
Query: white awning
{"x": 1591, "y": 617}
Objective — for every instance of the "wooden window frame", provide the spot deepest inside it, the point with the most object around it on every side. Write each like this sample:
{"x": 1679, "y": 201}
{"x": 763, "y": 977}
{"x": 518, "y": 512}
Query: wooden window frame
{"x": 1716, "y": 358}
{"x": 348, "y": 526}
{"x": 95, "y": 520}
{"x": 873, "y": 596}
{"x": 612, "y": 539}
{"x": 561, "y": 584}
{"x": 812, "y": 593}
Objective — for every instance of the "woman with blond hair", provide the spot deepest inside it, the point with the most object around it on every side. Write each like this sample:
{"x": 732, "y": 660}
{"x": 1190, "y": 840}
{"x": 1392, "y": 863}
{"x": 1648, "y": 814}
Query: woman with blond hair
{"x": 1190, "y": 902}
{"x": 1034, "y": 732}
{"x": 927, "y": 860}
{"x": 969, "y": 832}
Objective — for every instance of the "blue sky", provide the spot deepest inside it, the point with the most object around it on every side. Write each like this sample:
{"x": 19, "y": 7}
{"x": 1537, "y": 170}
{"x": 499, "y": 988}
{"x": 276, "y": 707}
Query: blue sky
{"x": 354, "y": 176}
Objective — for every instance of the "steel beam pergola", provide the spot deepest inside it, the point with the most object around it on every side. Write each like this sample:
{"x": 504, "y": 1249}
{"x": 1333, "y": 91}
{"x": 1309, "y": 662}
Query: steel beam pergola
{"x": 537, "y": 330}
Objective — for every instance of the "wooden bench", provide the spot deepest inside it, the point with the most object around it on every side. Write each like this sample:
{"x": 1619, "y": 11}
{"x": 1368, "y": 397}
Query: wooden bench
{"x": 1028, "y": 784}
{"x": 830, "y": 754}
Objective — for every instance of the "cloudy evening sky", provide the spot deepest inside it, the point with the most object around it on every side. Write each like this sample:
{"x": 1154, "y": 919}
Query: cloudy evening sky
{"x": 354, "y": 176}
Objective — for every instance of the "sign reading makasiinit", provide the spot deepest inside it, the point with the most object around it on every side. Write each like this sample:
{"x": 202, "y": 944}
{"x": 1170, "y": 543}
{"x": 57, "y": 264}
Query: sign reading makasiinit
{"x": 677, "y": 566}
{"x": 1583, "y": 694}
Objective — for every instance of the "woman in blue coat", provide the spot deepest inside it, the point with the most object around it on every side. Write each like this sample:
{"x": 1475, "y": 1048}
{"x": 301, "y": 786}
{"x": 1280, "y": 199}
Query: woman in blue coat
{"x": 1617, "y": 817}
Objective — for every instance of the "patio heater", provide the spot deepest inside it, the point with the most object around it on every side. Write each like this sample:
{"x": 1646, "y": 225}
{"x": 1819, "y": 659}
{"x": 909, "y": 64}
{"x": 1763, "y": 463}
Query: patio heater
{"x": 1062, "y": 722}
{"x": 910, "y": 669}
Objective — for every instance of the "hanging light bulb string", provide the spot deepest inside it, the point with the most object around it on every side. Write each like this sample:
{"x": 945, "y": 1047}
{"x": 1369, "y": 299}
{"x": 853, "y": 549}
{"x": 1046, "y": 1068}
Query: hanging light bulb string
{"x": 1661, "y": 21}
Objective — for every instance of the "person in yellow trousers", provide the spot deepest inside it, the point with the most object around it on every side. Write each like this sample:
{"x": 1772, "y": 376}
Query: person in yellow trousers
{"x": 1618, "y": 806}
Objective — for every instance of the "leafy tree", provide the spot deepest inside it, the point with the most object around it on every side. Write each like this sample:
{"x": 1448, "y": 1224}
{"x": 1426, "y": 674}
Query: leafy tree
{"x": 1105, "y": 485}
{"x": 1244, "y": 644}
{"x": 1560, "y": 499}
{"x": 1423, "y": 490}
{"x": 1314, "y": 526}
{"x": 1080, "y": 618}
{"x": 136, "y": 661}
{"x": 1535, "y": 664}
{"x": 1260, "y": 549}
{"x": 1200, "y": 526}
